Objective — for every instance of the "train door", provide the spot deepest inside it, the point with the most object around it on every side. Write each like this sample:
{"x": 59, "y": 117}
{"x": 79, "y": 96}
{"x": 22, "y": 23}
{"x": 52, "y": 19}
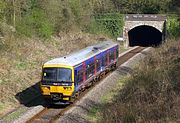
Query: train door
{"x": 107, "y": 57}
{"x": 98, "y": 62}
{"x": 76, "y": 80}
{"x": 117, "y": 52}
{"x": 114, "y": 53}
{"x": 78, "y": 77}
{"x": 103, "y": 62}
{"x": 84, "y": 71}
{"x": 95, "y": 65}
{"x": 111, "y": 55}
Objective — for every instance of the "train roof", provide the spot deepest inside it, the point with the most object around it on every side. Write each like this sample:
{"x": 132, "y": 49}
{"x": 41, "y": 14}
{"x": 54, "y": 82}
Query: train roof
{"x": 82, "y": 55}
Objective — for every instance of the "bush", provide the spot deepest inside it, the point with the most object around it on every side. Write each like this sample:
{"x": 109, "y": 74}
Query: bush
{"x": 35, "y": 23}
{"x": 143, "y": 6}
{"x": 108, "y": 23}
{"x": 173, "y": 26}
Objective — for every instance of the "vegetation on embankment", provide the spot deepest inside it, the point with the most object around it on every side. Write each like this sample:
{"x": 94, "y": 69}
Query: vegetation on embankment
{"x": 151, "y": 94}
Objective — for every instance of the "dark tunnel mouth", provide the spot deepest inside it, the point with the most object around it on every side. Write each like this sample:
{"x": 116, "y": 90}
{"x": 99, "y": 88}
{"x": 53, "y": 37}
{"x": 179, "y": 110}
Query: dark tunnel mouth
{"x": 144, "y": 36}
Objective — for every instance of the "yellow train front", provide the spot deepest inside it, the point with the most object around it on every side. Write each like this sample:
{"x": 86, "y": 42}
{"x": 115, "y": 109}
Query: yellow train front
{"x": 57, "y": 84}
{"x": 64, "y": 77}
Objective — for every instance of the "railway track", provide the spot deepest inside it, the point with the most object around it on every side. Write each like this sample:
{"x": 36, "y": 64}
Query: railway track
{"x": 51, "y": 113}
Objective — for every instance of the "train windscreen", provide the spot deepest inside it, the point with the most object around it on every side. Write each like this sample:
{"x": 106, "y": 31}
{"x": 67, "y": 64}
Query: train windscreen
{"x": 57, "y": 74}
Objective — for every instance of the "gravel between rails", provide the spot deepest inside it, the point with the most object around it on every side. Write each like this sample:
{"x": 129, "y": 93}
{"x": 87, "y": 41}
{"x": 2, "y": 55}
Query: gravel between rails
{"x": 78, "y": 113}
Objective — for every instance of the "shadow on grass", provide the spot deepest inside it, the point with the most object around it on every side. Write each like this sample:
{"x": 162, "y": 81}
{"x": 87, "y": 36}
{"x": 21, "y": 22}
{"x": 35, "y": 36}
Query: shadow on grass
{"x": 31, "y": 96}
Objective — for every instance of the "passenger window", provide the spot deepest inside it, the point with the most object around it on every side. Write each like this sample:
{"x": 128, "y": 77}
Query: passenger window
{"x": 80, "y": 75}
{"x": 90, "y": 70}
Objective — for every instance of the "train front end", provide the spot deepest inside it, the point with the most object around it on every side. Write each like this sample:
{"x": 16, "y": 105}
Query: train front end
{"x": 57, "y": 84}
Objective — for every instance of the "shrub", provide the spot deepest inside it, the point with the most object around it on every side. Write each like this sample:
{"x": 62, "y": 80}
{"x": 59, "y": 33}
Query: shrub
{"x": 35, "y": 23}
{"x": 108, "y": 23}
{"x": 173, "y": 26}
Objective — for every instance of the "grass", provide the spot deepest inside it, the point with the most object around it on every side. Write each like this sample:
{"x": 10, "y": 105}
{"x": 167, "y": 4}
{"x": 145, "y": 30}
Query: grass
{"x": 1, "y": 106}
{"x": 122, "y": 48}
{"x": 108, "y": 97}
{"x": 21, "y": 65}
{"x": 152, "y": 93}
{"x": 94, "y": 114}
{"x": 15, "y": 115}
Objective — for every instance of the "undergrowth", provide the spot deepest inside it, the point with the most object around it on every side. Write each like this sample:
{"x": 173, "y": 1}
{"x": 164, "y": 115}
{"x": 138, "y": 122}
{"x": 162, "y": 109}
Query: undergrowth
{"x": 152, "y": 93}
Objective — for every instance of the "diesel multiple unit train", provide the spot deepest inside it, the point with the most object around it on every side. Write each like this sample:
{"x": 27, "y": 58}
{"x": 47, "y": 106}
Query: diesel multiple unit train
{"x": 63, "y": 78}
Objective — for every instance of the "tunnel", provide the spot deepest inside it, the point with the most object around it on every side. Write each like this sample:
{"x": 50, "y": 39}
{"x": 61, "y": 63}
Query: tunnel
{"x": 144, "y": 36}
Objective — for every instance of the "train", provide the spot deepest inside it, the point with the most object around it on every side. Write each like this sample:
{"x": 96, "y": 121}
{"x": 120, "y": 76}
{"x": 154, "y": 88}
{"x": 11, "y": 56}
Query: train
{"x": 65, "y": 77}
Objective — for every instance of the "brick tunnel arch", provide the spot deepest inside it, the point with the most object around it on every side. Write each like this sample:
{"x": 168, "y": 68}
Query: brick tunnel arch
{"x": 144, "y": 36}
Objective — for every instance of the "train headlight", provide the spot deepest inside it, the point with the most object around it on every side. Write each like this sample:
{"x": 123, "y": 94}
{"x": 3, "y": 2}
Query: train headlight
{"x": 67, "y": 88}
{"x": 46, "y": 88}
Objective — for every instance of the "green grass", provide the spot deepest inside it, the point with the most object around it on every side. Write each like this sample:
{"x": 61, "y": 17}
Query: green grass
{"x": 1, "y": 105}
{"x": 15, "y": 115}
{"x": 1, "y": 81}
{"x": 122, "y": 48}
{"x": 94, "y": 113}
{"x": 21, "y": 65}
{"x": 108, "y": 97}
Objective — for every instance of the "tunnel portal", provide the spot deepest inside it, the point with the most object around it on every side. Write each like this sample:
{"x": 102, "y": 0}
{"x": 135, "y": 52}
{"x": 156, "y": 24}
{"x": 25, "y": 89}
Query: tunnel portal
{"x": 144, "y": 30}
{"x": 144, "y": 36}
